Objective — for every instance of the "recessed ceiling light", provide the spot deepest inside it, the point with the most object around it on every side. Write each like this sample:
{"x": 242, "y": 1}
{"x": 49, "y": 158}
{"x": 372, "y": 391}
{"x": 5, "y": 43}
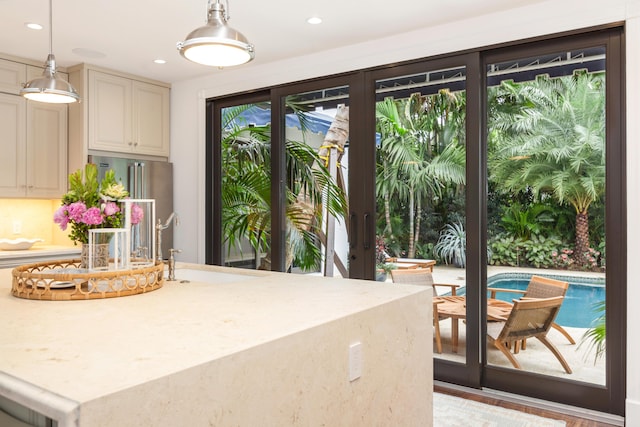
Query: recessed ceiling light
{"x": 159, "y": 61}
{"x": 33, "y": 26}
{"x": 314, "y": 20}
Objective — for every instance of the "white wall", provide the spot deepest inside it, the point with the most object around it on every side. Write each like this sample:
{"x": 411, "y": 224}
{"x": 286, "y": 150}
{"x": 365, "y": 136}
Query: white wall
{"x": 546, "y": 17}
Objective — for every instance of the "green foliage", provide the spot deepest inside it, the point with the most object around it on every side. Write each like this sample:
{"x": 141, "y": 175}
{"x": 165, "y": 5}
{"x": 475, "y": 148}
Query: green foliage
{"x": 596, "y": 336}
{"x": 84, "y": 186}
{"x": 539, "y": 250}
{"x": 419, "y": 163}
{"x": 452, "y": 245}
{"x": 548, "y": 137}
{"x": 246, "y": 191}
{"x": 506, "y": 250}
{"x": 524, "y": 222}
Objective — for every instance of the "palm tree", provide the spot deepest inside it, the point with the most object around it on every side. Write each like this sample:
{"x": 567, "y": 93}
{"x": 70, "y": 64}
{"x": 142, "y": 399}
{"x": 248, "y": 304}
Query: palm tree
{"x": 548, "y": 136}
{"x": 246, "y": 190}
{"x": 421, "y": 152}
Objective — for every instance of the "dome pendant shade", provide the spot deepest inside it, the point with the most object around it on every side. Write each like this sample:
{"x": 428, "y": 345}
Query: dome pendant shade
{"x": 49, "y": 88}
{"x": 216, "y": 44}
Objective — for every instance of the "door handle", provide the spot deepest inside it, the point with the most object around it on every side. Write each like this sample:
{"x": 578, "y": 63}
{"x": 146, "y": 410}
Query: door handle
{"x": 366, "y": 241}
{"x": 353, "y": 228}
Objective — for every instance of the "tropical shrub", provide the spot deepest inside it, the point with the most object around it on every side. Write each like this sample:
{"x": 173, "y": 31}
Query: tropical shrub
{"x": 452, "y": 245}
{"x": 596, "y": 336}
{"x": 506, "y": 250}
{"x": 539, "y": 250}
{"x": 525, "y": 222}
{"x": 563, "y": 259}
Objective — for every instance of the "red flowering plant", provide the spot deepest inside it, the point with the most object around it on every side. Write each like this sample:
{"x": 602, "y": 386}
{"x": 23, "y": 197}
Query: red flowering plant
{"x": 382, "y": 255}
{"x": 90, "y": 205}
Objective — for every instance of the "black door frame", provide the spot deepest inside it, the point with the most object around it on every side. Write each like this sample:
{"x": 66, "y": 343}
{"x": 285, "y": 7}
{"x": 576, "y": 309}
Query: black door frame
{"x": 475, "y": 372}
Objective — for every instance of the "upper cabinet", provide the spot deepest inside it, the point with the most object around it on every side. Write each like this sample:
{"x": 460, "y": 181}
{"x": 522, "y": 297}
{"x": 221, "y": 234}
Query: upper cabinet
{"x": 12, "y": 76}
{"x": 127, "y": 116}
{"x": 118, "y": 114}
{"x": 33, "y": 139}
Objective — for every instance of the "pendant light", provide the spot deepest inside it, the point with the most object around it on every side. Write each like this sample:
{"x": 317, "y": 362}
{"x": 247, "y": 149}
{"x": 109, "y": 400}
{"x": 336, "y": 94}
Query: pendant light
{"x": 216, "y": 44}
{"x": 49, "y": 88}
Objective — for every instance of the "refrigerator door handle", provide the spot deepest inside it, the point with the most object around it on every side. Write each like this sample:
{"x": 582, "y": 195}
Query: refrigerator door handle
{"x": 133, "y": 180}
{"x": 143, "y": 188}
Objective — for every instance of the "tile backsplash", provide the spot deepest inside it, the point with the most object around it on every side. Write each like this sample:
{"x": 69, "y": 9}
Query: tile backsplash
{"x": 31, "y": 219}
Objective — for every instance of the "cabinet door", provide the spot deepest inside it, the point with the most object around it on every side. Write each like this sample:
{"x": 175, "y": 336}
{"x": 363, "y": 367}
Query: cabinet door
{"x": 150, "y": 119}
{"x": 12, "y": 76}
{"x": 109, "y": 112}
{"x": 12, "y": 145}
{"x": 46, "y": 149}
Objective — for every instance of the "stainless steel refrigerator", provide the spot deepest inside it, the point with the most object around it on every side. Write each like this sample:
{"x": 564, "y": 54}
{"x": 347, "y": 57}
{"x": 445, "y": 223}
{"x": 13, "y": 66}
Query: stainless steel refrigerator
{"x": 144, "y": 179}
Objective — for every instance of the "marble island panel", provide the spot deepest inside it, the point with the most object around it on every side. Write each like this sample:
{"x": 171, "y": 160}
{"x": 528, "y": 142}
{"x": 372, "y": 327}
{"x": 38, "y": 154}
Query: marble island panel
{"x": 230, "y": 347}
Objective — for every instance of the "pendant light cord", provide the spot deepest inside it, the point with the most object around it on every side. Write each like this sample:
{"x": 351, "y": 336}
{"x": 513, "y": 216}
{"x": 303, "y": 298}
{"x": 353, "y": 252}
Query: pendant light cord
{"x": 50, "y": 27}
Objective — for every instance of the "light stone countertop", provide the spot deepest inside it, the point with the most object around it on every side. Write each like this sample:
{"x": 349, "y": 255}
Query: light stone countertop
{"x": 67, "y": 353}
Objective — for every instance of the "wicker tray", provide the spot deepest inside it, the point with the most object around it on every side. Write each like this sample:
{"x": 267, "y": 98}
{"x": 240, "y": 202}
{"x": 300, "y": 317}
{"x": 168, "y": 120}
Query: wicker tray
{"x": 63, "y": 280}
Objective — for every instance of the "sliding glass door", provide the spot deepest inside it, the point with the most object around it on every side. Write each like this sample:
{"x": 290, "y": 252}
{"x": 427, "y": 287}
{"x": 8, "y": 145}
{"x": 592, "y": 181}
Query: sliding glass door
{"x": 485, "y": 169}
{"x": 555, "y": 166}
{"x": 421, "y": 183}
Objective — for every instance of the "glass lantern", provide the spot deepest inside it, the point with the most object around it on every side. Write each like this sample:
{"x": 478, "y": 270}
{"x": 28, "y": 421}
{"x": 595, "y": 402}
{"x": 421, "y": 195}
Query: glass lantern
{"x": 140, "y": 216}
{"x": 107, "y": 249}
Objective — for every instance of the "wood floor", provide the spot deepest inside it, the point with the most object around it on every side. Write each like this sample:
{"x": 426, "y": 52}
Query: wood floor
{"x": 570, "y": 420}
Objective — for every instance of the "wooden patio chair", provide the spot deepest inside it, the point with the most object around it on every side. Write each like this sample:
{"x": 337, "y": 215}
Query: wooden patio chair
{"x": 529, "y": 318}
{"x": 541, "y": 287}
{"x": 423, "y": 277}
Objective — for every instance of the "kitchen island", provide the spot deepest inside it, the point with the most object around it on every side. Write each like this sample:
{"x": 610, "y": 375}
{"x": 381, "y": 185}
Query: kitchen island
{"x": 224, "y": 347}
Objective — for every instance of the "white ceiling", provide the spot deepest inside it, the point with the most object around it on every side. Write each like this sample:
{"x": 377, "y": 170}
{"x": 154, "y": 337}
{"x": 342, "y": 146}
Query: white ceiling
{"x": 132, "y": 33}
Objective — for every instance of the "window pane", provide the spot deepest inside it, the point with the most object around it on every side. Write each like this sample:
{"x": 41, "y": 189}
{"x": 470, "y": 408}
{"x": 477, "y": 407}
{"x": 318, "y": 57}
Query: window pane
{"x": 420, "y": 187}
{"x": 317, "y": 158}
{"x": 546, "y": 207}
{"x": 246, "y": 181}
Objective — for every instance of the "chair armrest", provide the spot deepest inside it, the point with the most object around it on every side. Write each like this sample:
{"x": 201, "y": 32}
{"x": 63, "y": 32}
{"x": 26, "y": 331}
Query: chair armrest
{"x": 493, "y": 291}
{"x": 452, "y": 287}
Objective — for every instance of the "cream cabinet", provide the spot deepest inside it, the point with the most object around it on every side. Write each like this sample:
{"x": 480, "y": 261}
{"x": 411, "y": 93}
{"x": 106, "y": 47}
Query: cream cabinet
{"x": 34, "y": 148}
{"x": 127, "y": 116}
{"x": 12, "y": 76}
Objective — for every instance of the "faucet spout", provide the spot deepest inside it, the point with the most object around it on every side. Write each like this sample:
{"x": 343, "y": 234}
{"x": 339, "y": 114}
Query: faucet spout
{"x": 159, "y": 228}
{"x": 168, "y": 222}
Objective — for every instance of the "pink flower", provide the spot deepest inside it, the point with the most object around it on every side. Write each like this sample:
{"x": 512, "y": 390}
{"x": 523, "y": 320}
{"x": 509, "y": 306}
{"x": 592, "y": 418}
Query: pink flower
{"x": 76, "y": 211}
{"x": 136, "y": 214}
{"x": 110, "y": 208}
{"x": 60, "y": 217}
{"x": 92, "y": 216}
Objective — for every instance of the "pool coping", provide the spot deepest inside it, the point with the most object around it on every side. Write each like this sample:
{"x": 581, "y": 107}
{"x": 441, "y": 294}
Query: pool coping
{"x": 576, "y": 280}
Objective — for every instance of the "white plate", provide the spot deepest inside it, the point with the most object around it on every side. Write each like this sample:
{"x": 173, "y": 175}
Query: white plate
{"x": 68, "y": 270}
{"x": 17, "y": 244}
{"x": 58, "y": 285}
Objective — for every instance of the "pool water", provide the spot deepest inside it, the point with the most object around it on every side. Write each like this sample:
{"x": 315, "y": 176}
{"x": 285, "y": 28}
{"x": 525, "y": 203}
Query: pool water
{"x": 577, "y": 308}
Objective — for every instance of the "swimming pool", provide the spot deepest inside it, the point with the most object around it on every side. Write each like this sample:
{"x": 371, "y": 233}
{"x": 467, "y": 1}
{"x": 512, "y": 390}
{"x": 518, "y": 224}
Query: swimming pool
{"x": 578, "y": 306}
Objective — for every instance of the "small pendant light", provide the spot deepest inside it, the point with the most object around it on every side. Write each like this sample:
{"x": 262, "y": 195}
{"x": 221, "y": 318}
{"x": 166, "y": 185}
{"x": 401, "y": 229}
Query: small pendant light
{"x": 49, "y": 88}
{"x": 216, "y": 44}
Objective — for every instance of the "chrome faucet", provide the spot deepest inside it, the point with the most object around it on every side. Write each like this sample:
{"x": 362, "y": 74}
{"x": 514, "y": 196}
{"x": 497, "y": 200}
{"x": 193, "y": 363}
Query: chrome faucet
{"x": 159, "y": 228}
{"x": 172, "y": 264}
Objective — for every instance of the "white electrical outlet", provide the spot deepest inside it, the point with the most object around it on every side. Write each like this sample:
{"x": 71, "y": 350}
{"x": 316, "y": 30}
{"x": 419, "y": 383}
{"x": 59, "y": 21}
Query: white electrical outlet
{"x": 355, "y": 361}
{"x": 17, "y": 226}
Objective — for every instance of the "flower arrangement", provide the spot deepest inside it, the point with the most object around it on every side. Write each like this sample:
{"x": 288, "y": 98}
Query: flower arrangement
{"x": 90, "y": 205}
